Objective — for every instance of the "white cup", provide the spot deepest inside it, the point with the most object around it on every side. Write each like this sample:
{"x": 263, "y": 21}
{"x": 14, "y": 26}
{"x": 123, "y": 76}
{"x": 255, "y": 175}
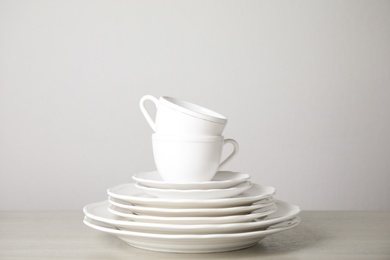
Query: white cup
{"x": 178, "y": 117}
{"x": 190, "y": 158}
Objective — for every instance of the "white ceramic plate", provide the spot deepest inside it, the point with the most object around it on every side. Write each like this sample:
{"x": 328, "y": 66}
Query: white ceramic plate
{"x": 196, "y": 194}
{"x": 221, "y": 180}
{"x": 201, "y": 243}
{"x": 130, "y": 216}
{"x": 128, "y": 192}
{"x": 99, "y": 211}
{"x": 124, "y": 210}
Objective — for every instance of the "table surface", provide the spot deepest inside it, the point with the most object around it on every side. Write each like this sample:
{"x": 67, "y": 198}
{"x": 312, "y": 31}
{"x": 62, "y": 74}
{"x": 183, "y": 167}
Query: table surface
{"x": 320, "y": 235}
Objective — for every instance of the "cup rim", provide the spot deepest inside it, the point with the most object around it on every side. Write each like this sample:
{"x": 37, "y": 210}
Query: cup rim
{"x": 193, "y": 110}
{"x": 189, "y": 138}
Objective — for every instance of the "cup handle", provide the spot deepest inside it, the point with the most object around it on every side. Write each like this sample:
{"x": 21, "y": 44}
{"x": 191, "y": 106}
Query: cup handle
{"x": 145, "y": 113}
{"x": 234, "y": 152}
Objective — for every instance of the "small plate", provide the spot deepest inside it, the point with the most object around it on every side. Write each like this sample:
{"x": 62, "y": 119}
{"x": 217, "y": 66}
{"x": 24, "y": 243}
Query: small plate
{"x": 221, "y": 180}
{"x": 128, "y": 192}
{"x": 197, "y": 243}
{"x": 125, "y": 210}
{"x": 99, "y": 211}
{"x": 196, "y": 194}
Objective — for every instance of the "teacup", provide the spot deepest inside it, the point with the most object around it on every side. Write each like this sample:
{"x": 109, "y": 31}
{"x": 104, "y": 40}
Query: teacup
{"x": 190, "y": 158}
{"x": 178, "y": 117}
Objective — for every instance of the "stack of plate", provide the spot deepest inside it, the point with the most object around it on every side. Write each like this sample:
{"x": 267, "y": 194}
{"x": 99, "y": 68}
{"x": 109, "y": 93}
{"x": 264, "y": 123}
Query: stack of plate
{"x": 224, "y": 214}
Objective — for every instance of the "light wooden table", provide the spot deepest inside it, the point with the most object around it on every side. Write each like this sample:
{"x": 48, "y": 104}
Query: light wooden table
{"x": 321, "y": 235}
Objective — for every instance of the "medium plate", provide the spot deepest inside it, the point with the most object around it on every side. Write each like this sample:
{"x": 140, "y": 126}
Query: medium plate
{"x": 128, "y": 192}
{"x": 99, "y": 211}
{"x": 221, "y": 180}
{"x": 201, "y": 243}
{"x": 196, "y": 194}
{"x": 129, "y": 216}
{"x": 124, "y": 210}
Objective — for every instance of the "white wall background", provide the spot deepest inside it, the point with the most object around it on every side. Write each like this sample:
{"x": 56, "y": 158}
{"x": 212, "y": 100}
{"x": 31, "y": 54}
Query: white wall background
{"x": 305, "y": 85}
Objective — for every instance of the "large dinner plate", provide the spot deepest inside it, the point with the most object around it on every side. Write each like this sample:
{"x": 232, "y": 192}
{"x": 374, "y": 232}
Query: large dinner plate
{"x": 128, "y": 192}
{"x": 221, "y": 180}
{"x": 99, "y": 211}
{"x": 197, "y": 243}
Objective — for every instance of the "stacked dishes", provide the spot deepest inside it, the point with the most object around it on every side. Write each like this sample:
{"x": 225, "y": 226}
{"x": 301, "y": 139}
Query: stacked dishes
{"x": 185, "y": 210}
{"x": 186, "y": 224}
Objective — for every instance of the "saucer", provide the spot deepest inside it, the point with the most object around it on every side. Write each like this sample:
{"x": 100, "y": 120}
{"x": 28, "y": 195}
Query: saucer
{"x": 125, "y": 210}
{"x": 221, "y": 180}
{"x": 187, "y": 243}
{"x": 196, "y": 194}
{"x": 99, "y": 211}
{"x": 128, "y": 192}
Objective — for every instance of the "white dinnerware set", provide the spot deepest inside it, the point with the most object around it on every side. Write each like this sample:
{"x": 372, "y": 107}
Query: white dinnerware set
{"x": 189, "y": 205}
